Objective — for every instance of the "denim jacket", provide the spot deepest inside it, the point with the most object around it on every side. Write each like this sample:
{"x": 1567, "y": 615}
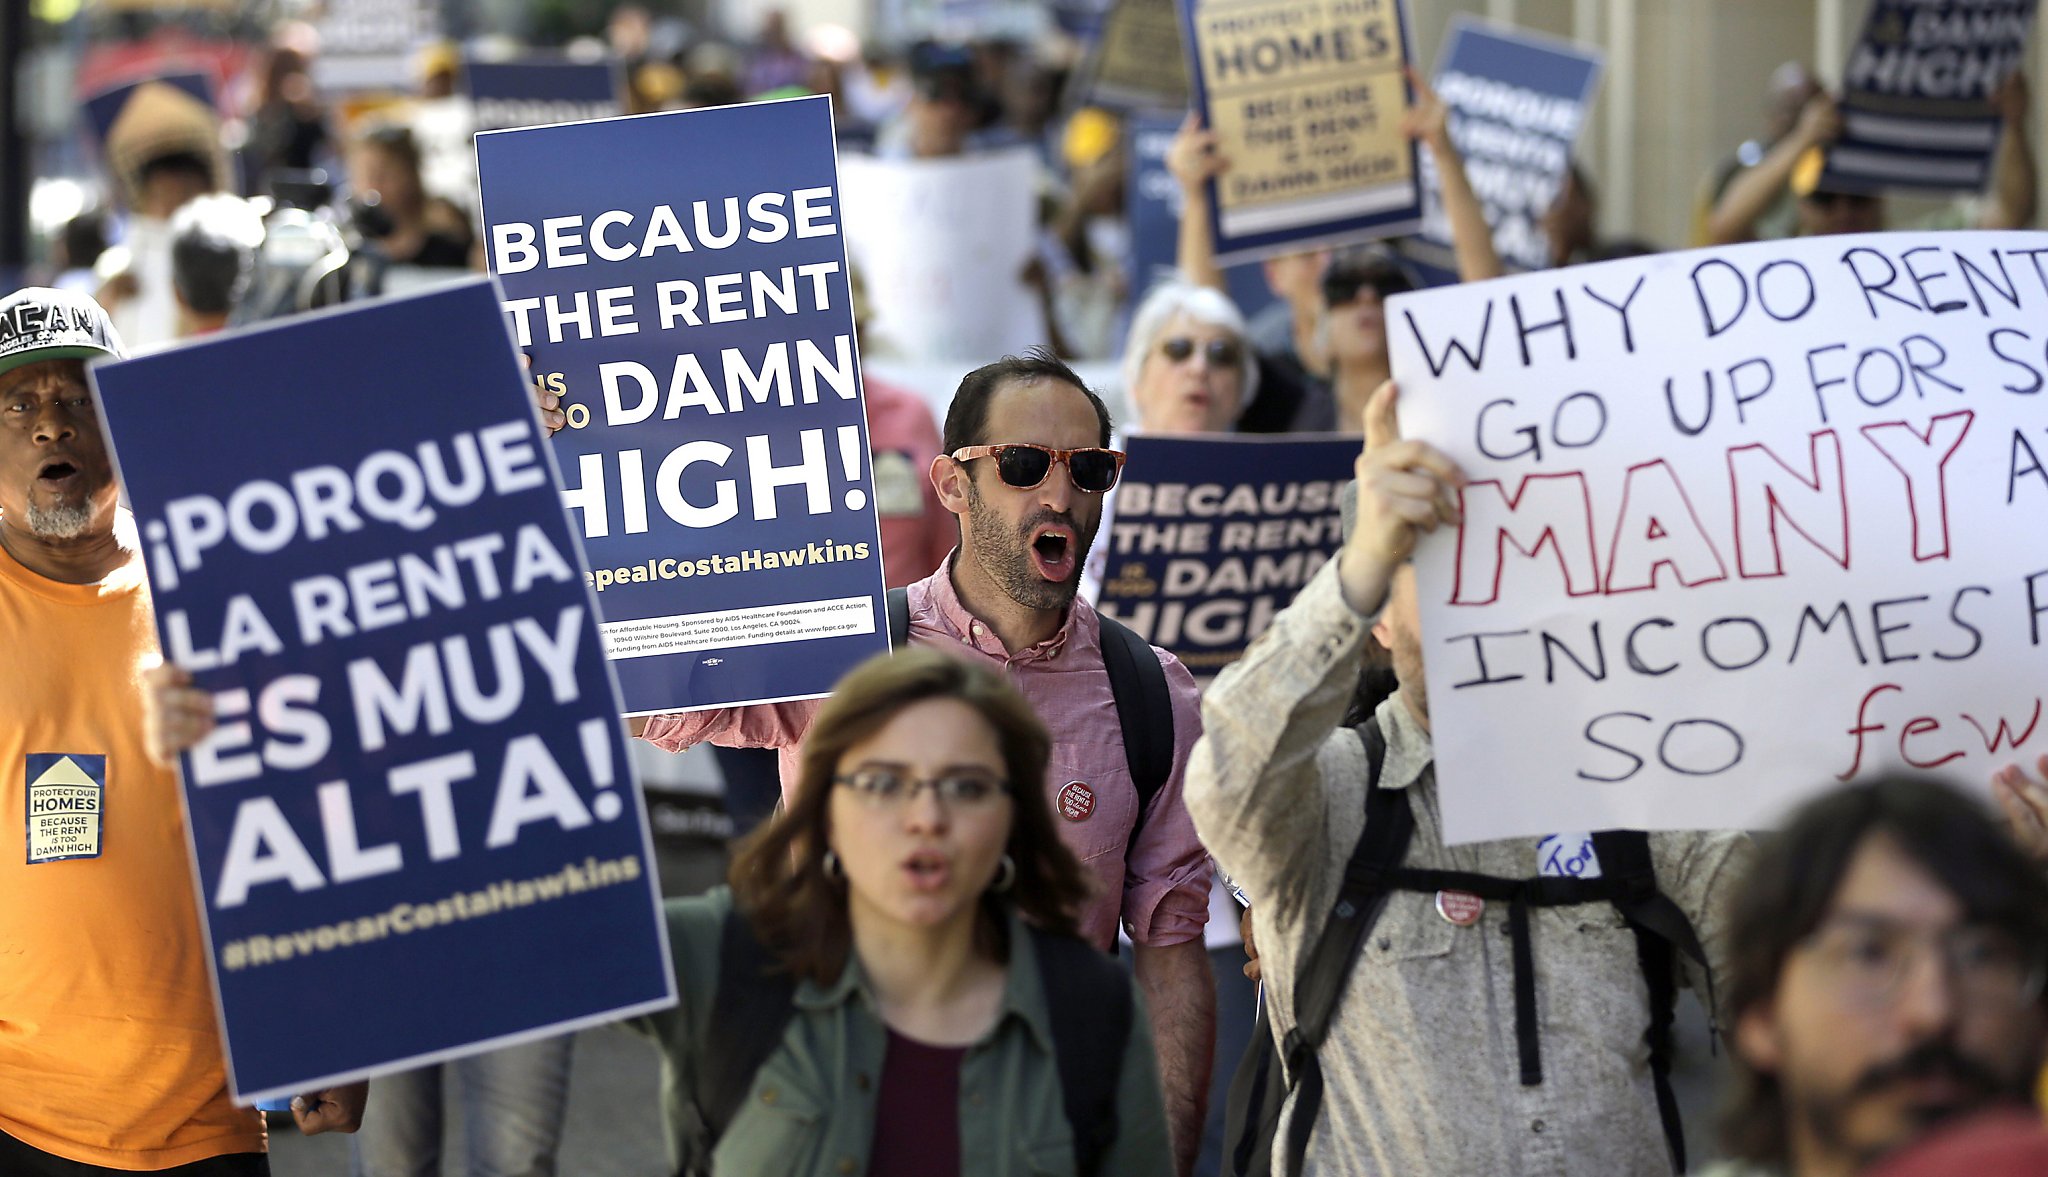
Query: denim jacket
{"x": 811, "y": 1110}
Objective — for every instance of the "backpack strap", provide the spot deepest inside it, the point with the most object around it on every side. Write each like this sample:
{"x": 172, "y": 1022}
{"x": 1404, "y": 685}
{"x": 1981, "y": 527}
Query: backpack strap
{"x": 1089, "y": 1000}
{"x": 1660, "y": 926}
{"x": 1258, "y": 1092}
{"x": 1389, "y": 825}
{"x": 752, "y": 1005}
{"x": 1144, "y": 709}
{"x": 898, "y": 600}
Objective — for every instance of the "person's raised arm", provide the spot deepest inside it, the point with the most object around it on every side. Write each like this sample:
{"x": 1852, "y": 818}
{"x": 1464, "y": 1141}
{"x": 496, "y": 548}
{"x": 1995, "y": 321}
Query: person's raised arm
{"x": 1256, "y": 785}
{"x": 2013, "y": 178}
{"x": 1194, "y": 161}
{"x": 1753, "y": 190}
{"x": 1428, "y": 121}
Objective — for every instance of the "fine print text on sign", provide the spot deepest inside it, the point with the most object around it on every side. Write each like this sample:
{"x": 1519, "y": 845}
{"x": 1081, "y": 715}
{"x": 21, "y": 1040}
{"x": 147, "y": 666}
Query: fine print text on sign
{"x": 1306, "y": 98}
{"x": 680, "y": 283}
{"x": 1741, "y": 523}
{"x": 417, "y": 797}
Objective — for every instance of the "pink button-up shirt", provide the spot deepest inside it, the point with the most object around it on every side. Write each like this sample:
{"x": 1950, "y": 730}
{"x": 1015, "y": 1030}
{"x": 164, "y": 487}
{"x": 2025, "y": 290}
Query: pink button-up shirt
{"x": 1160, "y": 882}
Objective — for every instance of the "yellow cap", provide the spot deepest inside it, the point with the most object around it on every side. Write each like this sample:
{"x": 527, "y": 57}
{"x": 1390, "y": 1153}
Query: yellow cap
{"x": 1806, "y": 171}
{"x": 1091, "y": 134}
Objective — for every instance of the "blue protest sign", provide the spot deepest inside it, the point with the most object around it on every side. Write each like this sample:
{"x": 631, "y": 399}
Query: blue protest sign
{"x": 415, "y": 830}
{"x": 1515, "y": 103}
{"x": 1209, "y": 537}
{"x": 680, "y": 281}
{"x": 1917, "y": 94}
{"x": 1306, "y": 99}
{"x": 1153, "y": 205}
{"x": 535, "y": 91}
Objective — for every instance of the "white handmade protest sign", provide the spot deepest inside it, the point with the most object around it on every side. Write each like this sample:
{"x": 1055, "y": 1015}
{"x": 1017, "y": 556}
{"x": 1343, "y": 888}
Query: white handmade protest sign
{"x": 942, "y": 245}
{"x": 1741, "y": 524}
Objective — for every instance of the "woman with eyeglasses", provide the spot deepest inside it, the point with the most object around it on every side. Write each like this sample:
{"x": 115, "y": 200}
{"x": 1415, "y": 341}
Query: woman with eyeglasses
{"x": 893, "y": 984}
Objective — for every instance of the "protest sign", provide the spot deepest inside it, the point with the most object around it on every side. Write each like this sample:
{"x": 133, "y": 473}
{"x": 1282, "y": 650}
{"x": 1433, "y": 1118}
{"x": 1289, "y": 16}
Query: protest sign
{"x": 680, "y": 282}
{"x": 1137, "y": 63}
{"x": 942, "y": 245}
{"x": 1741, "y": 523}
{"x": 1218, "y": 535}
{"x": 1515, "y": 104}
{"x": 1153, "y": 203}
{"x": 368, "y": 44}
{"x": 1916, "y": 96}
{"x": 1305, "y": 98}
{"x": 537, "y": 91}
{"x": 417, "y": 806}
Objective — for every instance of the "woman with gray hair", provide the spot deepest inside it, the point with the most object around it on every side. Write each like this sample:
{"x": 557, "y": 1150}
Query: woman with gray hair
{"x": 1187, "y": 365}
{"x": 1187, "y": 368}
{"x": 1186, "y": 361}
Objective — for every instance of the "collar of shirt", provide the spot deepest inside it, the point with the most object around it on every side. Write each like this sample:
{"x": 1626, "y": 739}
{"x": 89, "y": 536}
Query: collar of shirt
{"x": 1409, "y": 751}
{"x": 1022, "y": 998}
{"x": 943, "y": 610}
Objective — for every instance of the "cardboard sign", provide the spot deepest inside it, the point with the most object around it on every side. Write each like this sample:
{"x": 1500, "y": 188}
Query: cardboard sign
{"x": 1138, "y": 63}
{"x": 1916, "y": 96}
{"x": 1211, "y": 536}
{"x": 942, "y": 245}
{"x": 1306, "y": 98}
{"x": 1516, "y": 104}
{"x": 680, "y": 281}
{"x": 417, "y": 799}
{"x": 536, "y": 92}
{"x": 1741, "y": 524}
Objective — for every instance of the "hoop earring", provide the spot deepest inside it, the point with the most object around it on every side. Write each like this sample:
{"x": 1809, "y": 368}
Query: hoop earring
{"x": 834, "y": 869}
{"x": 1006, "y": 875}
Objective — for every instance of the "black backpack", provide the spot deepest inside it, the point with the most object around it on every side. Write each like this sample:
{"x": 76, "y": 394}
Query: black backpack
{"x": 1087, "y": 994}
{"x": 1136, "y": 681}
{"x": 1628, "y": 881}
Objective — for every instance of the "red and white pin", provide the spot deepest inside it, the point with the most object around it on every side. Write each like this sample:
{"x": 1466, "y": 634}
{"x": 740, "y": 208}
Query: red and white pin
{"x": 1076, "y": 801}
{"x": 1462, "y": 908}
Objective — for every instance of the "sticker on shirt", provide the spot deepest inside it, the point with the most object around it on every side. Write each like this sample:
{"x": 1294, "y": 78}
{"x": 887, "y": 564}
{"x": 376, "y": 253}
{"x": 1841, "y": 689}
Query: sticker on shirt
{"x": 66, "y": 794}
{"x": 1076, "y": 801}
{"x": 899, "y": 484}
{"x": 1567, "y": 856}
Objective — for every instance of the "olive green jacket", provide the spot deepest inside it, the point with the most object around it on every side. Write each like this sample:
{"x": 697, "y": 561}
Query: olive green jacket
{"x": 811, "y": 1110}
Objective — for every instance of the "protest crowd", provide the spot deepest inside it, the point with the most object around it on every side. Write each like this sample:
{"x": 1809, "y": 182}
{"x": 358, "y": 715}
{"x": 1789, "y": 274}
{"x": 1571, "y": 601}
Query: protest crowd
{"x": 1165, "y": 444}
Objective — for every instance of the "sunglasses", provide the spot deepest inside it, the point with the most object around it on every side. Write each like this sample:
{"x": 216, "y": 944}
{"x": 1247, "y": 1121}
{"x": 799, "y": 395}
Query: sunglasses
{"x": 1022, "y": 465}
{"x": 1221, "y": 353}
{"x": 1343, "y": 289}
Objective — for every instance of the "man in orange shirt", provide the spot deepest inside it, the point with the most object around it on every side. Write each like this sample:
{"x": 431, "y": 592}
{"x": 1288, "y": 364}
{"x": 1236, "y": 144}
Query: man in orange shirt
{"x": 110, "y": 1060}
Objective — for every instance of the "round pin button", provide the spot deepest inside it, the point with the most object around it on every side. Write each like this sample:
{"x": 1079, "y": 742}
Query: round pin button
{"x": 1076, "y": 801}
{"x": 1462, "y": 908}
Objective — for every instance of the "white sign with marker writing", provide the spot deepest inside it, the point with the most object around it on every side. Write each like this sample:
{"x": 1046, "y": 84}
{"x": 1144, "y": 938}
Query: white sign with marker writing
{"x": 1741, "y": 524}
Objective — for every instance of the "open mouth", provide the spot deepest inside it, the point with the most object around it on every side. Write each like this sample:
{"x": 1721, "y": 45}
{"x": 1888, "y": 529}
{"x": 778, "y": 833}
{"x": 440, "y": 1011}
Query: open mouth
{"x": 1052, "y": 550}
{"x": 55, "y": 473}
{"x": 927, "y": 870}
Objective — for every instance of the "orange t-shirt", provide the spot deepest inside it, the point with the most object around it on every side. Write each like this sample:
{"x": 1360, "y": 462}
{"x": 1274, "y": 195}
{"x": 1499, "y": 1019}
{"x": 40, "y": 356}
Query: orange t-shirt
{"x": 109, "y": 1052}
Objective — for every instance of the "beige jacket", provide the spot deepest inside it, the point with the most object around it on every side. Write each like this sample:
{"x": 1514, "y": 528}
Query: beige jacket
{"x": 1420, "y": 1070}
